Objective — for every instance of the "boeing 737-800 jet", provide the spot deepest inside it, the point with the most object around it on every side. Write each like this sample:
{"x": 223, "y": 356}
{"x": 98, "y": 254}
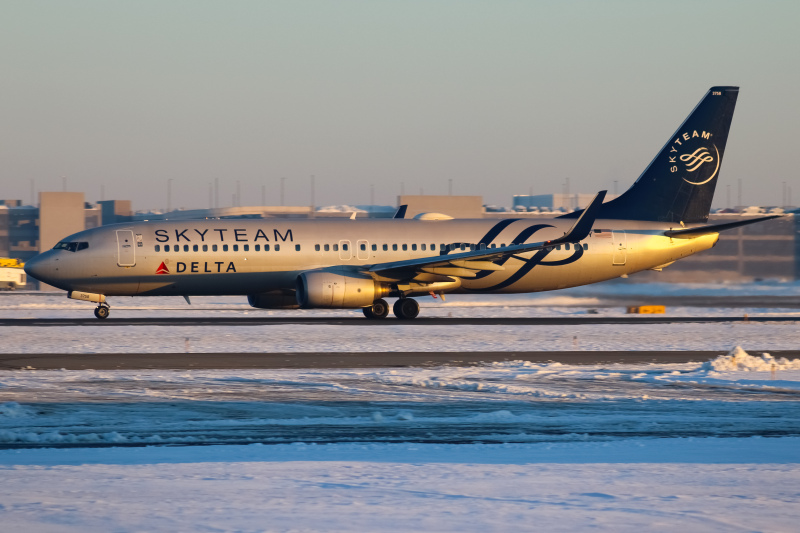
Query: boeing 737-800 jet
{"x": 341, "y": 263}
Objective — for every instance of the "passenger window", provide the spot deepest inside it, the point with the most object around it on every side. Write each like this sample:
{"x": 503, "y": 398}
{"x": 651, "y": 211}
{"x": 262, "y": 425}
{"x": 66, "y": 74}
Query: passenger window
{"x": 345, "y": 247}
{"x": 463, "y": 247}
{"x": 493, "y": 246}
{"x": 235, "y": 247}
{"x": 394, "y": 247}
{"x": 246, "y": 247}
{"x": 158, "y": 248}
{"x": 442, "y": 247}
{"x": 277, "y": 247}
{"x": 195, "y": 248}
{"x": 586, "y": 246}
{"x": 327, "y": 248}
{"x": 558, "y": 247}
{"x": 266, "y": 247}
{"x": 503, "y": 245}
{"x": 433, "y": 247}
{"x": 205, "y": 247}
{"x": 316, "y": 247}
{"x": 257, "y": 247}
{"x": 374, "y": 247}
{"x": 213, "y": 247}
{"x": 385, "y": 247}
{"x": 335, "y": 247}
{"x": 483, "y": 246}
{"x": 413, "y": 247}
{"x": 405, "y": 247}
{"x": 471, "y": 246}
{"x": 185, "y": 247}
{"x": 422, "y": 246}
{"x": 224, "y": 247}
{"x": 297, "y": 247}
{"x": 82, "y": 246}
{"x": 566, "y": 246}
{"x": 363, "y": 247}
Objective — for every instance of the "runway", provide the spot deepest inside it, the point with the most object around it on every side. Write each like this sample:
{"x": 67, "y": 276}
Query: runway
{"x": 361, "y": 321}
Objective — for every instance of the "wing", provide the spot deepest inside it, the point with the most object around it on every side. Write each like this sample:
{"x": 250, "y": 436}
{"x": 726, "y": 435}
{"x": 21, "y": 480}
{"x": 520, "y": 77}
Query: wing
{"x": 467, "y": 264}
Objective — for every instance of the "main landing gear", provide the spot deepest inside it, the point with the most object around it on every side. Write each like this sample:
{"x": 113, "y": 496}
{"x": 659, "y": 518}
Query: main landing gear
{"x": 102, "y": 311}
{"x": 404, "y": 309}
{"x": 378, "y": 309}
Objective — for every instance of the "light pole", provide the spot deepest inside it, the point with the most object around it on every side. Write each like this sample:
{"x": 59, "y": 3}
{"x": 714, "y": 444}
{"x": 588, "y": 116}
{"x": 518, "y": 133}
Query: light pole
{"x": 312, "y": 195}
{"x": 169, "y": 195}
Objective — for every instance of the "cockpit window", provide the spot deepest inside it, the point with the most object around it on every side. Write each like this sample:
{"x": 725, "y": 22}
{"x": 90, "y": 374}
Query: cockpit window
{"x": 71, "y": 246}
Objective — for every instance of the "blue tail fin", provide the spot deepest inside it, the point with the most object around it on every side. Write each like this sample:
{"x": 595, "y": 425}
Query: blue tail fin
{"x": 679, "y": 183}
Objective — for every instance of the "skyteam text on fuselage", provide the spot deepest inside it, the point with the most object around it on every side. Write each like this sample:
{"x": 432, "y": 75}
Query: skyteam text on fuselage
{"x": 337, "y": 263}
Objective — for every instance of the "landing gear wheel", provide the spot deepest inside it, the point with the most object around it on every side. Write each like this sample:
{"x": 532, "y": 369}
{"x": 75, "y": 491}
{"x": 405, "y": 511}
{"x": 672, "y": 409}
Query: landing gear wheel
{"x": 101, "y": 312}
{"x": 406, "y": 308}
{"x": 379, "y": 309}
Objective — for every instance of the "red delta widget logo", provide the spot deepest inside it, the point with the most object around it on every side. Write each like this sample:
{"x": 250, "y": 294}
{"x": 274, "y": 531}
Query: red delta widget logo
{"x": 162, "y": 269}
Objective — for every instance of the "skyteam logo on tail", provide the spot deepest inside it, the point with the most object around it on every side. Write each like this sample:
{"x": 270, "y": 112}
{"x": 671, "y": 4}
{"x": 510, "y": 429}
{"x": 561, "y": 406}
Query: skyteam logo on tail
{"x": 691, "y": 153}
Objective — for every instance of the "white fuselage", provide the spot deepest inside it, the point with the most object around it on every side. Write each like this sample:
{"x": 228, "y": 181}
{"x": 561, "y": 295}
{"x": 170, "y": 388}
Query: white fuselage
{"x": 214, "y": 257}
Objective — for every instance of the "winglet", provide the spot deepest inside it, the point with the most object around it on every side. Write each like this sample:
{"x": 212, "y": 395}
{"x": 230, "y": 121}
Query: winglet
{"x": 401, "y": 211}
{"x": 583, "y": 226}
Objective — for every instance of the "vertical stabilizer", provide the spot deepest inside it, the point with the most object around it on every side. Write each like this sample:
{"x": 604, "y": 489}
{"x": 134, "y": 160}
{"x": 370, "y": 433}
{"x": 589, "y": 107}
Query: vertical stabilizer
{"x": 679, "y": 183}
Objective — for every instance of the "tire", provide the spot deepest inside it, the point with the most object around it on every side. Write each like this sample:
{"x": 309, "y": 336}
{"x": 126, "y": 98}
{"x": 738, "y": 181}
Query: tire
{"x": 406, "y": 309}
{"x": 101, "y": 312}
{"x": 378, "y": 310}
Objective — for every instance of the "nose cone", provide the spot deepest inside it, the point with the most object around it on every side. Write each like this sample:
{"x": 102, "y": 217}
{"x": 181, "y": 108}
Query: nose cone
{"x": 40, "y": 267}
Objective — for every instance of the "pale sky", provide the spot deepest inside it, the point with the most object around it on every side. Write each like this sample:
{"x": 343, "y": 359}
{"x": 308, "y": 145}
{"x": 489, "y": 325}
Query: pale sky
{"x": 500, "y": 97}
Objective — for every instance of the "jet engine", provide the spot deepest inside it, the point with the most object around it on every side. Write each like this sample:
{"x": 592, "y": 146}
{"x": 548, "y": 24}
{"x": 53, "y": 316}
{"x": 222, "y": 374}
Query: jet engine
{"x": 273, "y": 300}
{"x": 338, "y": 288}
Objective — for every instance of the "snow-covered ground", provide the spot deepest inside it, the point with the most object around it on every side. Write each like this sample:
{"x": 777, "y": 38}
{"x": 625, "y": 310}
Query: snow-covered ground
{"x": 733, "y": 395}
{"x": 703, "y": 446}
{"x": 390, "y": 336}
{"x": 539, "y": 447}
{"x": 695, "y": 485}
{"x": 400, "y": 338}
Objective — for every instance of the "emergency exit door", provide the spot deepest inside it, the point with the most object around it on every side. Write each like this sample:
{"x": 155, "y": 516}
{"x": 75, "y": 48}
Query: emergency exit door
{"x": 620, "y": 242}
{"x": 126, "y": 250}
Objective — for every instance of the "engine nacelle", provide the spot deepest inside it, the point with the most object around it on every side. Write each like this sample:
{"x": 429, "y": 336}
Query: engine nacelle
{"x": 337, "y": 289}
{"x": 273, "y": 300}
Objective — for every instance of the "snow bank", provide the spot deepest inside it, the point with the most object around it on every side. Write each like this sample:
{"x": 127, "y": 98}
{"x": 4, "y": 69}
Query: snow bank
{"x": 739, "y": 360}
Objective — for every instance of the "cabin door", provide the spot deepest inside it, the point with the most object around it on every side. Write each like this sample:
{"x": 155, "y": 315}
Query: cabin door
{"x": 620, "y": 243}
{"x": 126, "y": 250}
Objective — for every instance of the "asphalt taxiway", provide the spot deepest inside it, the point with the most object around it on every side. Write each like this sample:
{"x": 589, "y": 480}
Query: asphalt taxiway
{"x": 361, "y": 321}
{"x": 291, "y": 360}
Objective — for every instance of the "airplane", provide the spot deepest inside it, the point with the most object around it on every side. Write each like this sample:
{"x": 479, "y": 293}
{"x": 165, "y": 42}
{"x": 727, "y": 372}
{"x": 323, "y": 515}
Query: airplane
{"x": 352, "y": 263}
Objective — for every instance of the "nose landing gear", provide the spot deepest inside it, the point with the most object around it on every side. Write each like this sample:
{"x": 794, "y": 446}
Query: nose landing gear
{"x": 102, "y": 311}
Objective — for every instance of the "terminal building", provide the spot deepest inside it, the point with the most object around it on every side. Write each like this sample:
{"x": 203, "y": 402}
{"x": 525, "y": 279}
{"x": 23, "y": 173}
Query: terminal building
{"x": 768, "y": 250}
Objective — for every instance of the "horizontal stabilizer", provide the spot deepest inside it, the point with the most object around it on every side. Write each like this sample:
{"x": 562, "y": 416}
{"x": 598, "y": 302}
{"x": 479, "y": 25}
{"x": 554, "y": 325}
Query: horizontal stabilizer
{"x": 690, "y": 233}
